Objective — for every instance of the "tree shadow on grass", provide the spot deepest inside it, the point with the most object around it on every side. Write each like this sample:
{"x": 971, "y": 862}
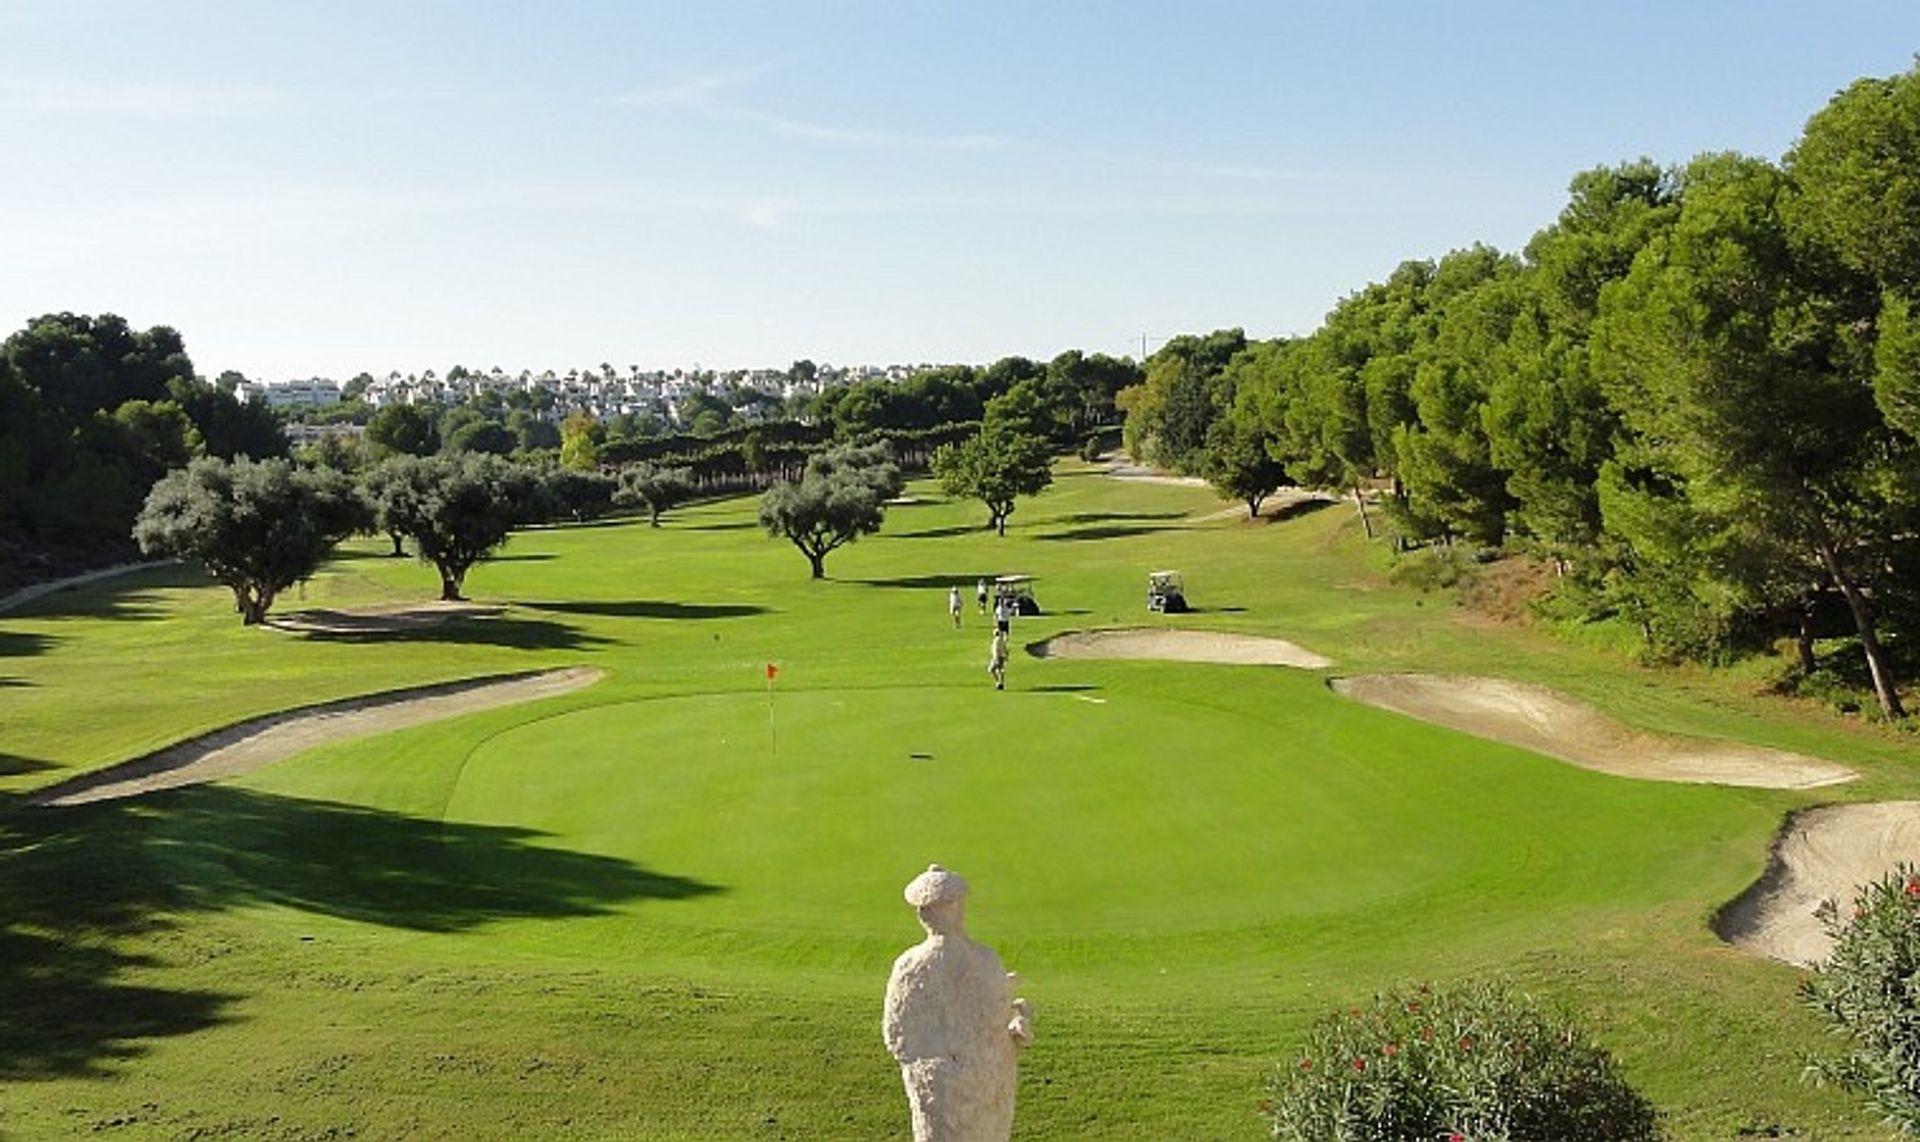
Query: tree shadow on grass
{"x": 23, "y": 644}
{"x": 12, "y": 765}
{"x": 84, "y": 890}
{"x": 942, "y": 532}
{"x": 528, "y": 557}
{"x": 492, "y": 630}
{"x": 1117, "y": 517}
{"x": 931, "y": 582}
{"x": 736, "y": 525}
{"x": 1299, "y": 508}
{"x": 1106, "y": 531}
{"x": 131, "y": 596}
{"x": 652, "y": 609}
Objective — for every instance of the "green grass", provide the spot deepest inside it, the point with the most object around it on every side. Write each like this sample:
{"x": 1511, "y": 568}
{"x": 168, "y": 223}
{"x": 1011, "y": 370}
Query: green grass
{"x": 664, "y": 906}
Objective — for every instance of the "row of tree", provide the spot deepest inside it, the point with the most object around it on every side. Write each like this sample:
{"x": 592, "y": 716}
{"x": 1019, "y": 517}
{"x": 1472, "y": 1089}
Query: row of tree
{"x": 1697, "y": 392}
{"x": 259, "y": 527}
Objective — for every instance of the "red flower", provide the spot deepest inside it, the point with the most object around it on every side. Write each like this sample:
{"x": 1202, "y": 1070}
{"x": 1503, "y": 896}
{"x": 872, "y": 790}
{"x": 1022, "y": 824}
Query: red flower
{"x": 1359, "y": 1064}
{"x": 1306, "y": 1064}
{"x": 1427, "y": 1034}
{"x": 1456, "y": 1136}
{"x": 1913, "y": 886}
{"x": 1391, "y": 1050}
{"x": 1466, "y": 1044}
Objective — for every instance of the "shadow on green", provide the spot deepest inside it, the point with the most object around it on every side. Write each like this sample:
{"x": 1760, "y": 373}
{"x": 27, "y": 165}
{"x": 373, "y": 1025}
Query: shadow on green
{"x": 652, "y": 609}
{"x": 492, "y": 630}
{"x": 941, "y": 532}
{"x": 1105, "y": 531}
{"x": 929, "y": 582}
{"x": 82, "y": 884}
{"x": 20, "y": 644}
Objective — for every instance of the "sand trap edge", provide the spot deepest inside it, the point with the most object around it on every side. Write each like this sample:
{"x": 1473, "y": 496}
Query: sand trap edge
{"x": 1154, "y": 644}
{"x": 183, "y": 755}
{"x": 1587, "y": 736}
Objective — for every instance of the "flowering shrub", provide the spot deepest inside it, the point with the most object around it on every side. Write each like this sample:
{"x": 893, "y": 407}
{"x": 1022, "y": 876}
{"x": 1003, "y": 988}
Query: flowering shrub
{"x": 1474, "y": 1063}
{"x": 1870, "y": 991}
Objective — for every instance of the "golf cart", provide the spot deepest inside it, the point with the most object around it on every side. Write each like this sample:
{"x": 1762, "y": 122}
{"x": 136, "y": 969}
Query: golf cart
{"x": 1165, "y": 594}
{"x": 1018, "y": 589}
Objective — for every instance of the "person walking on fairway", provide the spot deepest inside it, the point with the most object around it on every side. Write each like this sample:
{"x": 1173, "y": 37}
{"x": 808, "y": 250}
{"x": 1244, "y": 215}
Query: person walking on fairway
{"x": 980, "y": 595}
{"x": 997, "y": 659}
{"x": 953, "y": 605}
{"x": 1003, "y": 614}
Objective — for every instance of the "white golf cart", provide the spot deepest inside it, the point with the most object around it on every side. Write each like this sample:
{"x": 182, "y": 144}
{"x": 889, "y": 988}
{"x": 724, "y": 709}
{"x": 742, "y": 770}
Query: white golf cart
{"x": 1017, "y": 590}
{"x": 1166, "y": 595}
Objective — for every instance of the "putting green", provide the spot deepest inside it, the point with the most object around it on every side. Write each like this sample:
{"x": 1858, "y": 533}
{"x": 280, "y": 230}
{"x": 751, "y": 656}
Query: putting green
{"x": 1082, "y": 813}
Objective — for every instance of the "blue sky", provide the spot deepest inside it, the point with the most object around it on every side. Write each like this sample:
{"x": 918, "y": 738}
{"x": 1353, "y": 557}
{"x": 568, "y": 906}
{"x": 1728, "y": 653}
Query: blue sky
{"x": 327, "y": 187}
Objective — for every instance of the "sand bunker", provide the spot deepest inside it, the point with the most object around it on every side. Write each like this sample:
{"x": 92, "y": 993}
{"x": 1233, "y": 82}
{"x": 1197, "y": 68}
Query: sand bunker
{"x": 1153, "y": 476}
{"x": 1548, "y": 722}
{"x": 249, "y": 745}
{"x": 1179, "y": 646}
{"x": 379, "y": 620}
{"x": 1820, "y": 860}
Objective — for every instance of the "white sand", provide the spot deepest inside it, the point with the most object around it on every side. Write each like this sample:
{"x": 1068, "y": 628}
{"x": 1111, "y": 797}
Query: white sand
{"x": 1180, "y": 646}
{"x": 1819, "y": 861}
{"x": 249, "y": 745}
{"x": 1548, "y": 722}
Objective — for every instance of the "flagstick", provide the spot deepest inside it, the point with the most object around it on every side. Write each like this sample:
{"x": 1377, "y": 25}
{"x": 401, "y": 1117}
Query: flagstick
{"x": 773, "y": 733}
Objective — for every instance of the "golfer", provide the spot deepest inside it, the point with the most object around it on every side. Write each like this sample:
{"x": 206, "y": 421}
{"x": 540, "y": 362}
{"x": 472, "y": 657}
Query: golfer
{"x": 997, "y": 659}
{"x": 1003, "y": 613}
{"x": 980, "y": 595}
{"x": 953, "y": 604}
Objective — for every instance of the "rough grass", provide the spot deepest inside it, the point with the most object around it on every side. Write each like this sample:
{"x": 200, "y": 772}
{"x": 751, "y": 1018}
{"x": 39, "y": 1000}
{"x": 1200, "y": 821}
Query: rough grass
{"x": 664, "y": 906}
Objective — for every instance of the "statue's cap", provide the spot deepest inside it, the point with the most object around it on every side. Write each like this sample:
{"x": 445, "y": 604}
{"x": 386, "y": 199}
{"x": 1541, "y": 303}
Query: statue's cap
{"x": 935, "y": 886}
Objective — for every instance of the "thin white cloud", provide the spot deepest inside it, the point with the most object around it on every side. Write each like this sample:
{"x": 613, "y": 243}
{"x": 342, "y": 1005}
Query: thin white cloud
{"x": 705, "y": 94}
{"x": 140, "y": 100}
{"x": 696, "y": 91}
{"x": 767, "y": 214}
{"x": 866, "y": 137}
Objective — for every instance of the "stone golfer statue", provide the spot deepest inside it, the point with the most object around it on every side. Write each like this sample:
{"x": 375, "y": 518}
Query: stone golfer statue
{"x": 952, "y": 1022}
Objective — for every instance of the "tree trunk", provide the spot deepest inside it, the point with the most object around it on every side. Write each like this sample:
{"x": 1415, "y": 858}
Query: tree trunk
{"x": 1360, "y": 502}
{"x": 819, "y": 563}
{"x": 653, "y": 516}
{"x": 1803, "y": 641}
{"x": 1253, "y": 506}
{"x": 450, "y": 587}
{"x": 1863, "y": 622}
{"x": 398, "y": 551}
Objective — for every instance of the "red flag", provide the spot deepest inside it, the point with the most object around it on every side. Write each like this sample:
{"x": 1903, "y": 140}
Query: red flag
{"x": 772, "y": 670}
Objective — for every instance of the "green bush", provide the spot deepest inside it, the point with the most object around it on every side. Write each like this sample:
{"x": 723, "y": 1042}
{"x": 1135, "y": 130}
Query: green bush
{"x": 1473, "y": 1063}
{"x": 1090, "y": 450}
{"x": 1869, "y": 989}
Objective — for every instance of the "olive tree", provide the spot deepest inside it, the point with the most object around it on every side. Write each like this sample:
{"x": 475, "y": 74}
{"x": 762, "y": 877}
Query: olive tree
{"x": 658, "y": 488}
{"x": 462, "y": 510}
{"x": 838, "y": 498}
{"x": 258, "y": 526}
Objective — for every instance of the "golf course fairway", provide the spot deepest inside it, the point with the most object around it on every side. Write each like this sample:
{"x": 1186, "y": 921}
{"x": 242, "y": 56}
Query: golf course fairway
{"x": 664, "y": 905}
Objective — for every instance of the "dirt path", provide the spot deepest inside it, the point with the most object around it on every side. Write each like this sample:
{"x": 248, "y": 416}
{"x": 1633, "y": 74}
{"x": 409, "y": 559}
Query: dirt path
{"x": 249, "y": 745}
{"x": 1179, "y": 646}
{"x": 1820, "y": 859}
{"x": 1277, "y": 504}
{"x": 27, "y": 595}
{"x": 1548, "y": 722}
{"x": 1153, "y": 476}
